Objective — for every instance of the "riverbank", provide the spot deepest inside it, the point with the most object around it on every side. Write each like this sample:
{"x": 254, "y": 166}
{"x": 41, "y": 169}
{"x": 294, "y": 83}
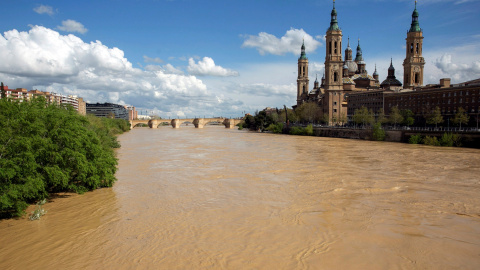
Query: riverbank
{"x": 468, "y": 139}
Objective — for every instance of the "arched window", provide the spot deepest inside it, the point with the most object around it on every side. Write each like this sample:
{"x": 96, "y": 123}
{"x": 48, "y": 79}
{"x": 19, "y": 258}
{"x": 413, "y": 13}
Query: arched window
{"x": 330, "y": 48}
{"x": 416, "y": 77}
{"x": 335, "y": 75}
{"x": 411, "y": 48}
{"x": 335, "y": 47}
{"x": 304, "y": 91}
{"x": 418, "y": 48}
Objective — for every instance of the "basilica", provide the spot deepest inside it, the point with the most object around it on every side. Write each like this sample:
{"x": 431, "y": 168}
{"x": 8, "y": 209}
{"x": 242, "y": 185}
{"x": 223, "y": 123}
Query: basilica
{"x": 346, "y": 76}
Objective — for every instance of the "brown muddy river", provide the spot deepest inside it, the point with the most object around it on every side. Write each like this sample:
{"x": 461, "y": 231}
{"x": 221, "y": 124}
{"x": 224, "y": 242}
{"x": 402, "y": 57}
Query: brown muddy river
{"x": 216, "y": 198}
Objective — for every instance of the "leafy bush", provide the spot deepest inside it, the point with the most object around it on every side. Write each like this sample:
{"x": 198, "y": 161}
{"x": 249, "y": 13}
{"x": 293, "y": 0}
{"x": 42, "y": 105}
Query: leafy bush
{"x": 46, "y": 148}
{"x": 378, "y": 132}
{"x": 431, "y": 141}
{"x": 415, "y": 139}
{"x": 275, "y": 128}
{"x": 450, "y": 139}
{"x": 308, "y": 131}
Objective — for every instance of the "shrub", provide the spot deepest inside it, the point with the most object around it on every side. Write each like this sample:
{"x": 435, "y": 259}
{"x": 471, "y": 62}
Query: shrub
{"x": 415, "y": 139}
{"x": 450, "y": 139}
{"x": 296, "y": 131}
{"x": 308, "y": 130}
{"x": 431, "y": 141}
{"x": 275, "y": 128}
{"x": 378, "y": 132}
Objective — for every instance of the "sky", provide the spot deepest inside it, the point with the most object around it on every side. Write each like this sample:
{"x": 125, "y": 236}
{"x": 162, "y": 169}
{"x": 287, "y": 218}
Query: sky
{"x": 195, "y": 58}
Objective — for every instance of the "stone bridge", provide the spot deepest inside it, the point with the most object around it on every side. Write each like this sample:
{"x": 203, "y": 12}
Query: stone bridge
{"x": 198, "y": 122}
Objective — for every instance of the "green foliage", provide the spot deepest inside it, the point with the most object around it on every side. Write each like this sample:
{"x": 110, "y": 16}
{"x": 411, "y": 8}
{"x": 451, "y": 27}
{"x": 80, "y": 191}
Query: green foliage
{"x": 307, "y": 131}
{"x": 45, "y": 148}
{"x": 461, "y": 117}
{"x": 415, "y": 139}
{"x": 450, "y": 139}
{"x": 363, "y": 116}
{"x": 258, "y": 122}
{"x": 435, "y": 117}
{"x": 240, "y": 126}
{"x": 381, "y": 118}
{"x": 431, "y": 141}
{"x": 408, "y": 119}
{"x": 275, "y": 128}
{"x": 395, "y": 116}
{"x": 378, "y": 132}
{"x": 308, "y": 112}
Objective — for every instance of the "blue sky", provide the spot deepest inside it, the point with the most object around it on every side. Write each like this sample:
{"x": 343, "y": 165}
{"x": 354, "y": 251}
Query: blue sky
{"x": 209, "y": 57}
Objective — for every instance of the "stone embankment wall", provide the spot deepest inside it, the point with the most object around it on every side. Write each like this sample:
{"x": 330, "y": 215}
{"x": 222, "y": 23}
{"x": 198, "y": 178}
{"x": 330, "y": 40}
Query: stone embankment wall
{"x": 469, "y": 139}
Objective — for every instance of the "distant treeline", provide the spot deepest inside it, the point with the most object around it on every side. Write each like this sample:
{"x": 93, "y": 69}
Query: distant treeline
{"x": 47, "y": 148}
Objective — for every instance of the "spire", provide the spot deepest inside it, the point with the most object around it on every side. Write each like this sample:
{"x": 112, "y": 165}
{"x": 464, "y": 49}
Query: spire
{"x": 375, "y": 73}
{"x": 316, "y": 79}
{"x": 303, "y": 55}
{"x": 391, "y": 69}
{"x": 415, "y": 27}
{"x": 334, "y": 22}
{"x": 359, "y": 56}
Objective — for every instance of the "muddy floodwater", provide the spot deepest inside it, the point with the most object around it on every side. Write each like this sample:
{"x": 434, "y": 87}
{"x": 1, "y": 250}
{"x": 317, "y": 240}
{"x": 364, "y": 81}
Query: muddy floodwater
{"x": 216, "y": 198}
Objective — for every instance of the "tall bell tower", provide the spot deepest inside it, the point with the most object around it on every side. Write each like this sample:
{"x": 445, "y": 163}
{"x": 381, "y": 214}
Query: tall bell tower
{"x": 333, "y": 56}
{"x": 302, "y": 79}
{"x": 414, "y": 62}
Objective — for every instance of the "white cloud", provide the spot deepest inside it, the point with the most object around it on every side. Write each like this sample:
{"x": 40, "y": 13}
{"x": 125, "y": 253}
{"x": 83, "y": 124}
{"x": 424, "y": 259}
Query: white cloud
{"x": 207, "y": 67}
{"x": 43, "y": 59}
{"x": 147, "y": 59}
{"x": 42, "y": 9}
{"x": 291, "y": 42}
{"x": 457, "y": 71}
{"x": 72, "y": 26}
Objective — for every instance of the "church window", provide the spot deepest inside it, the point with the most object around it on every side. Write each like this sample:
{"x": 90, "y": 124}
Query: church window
{"x": 334, "y": 110}
{"x": 304, "y": 91}
{"x": 335, "y": 76}
{"x": 330, "y": 48}
{"x": 417, "y": 47}
{"x": 411, "y": 48}
{"x": 416, "y": 77}
{"x": 334, "y": 103}
{"x": 335, "y": 47}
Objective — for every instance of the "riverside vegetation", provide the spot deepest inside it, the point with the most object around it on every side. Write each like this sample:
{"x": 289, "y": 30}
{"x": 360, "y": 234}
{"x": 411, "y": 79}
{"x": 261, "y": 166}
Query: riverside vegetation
{"x": 46, "y": 149}
{"x": 364, "y": 118}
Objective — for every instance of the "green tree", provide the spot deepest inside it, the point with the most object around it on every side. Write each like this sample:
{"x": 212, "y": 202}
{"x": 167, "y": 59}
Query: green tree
{"x": 395, "y": 116}
{"x": 45, "y": 148}
{"x": 308, "y": 112}
{"x": 408, "y": 119}
{"x": 363, "y": 116}
{"x": 461, "y": 117}
{"x": 378, "y": 132}
{"x": 381, "y": 118}
{"x": 4, "y": 93}
{"x": 435, "y": 117}
{"x": 292, "y": 116}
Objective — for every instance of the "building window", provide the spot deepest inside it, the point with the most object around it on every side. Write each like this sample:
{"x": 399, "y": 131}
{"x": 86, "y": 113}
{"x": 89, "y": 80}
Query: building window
{"x": 334, "y": 110}
{"x": 335, "y": 76}
{"x": 416, "y": 77}
{"x": 334, "y": 103}
{"x": 417, "y": 47}
{"x": 411, "y": 48}
{"x": 330, "y": 48}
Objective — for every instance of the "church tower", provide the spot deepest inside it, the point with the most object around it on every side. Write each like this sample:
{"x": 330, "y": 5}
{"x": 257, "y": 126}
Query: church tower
{"x": 333, "y": 56}
{"x": 302, "y": 79}
{"x": 414, "y": 62}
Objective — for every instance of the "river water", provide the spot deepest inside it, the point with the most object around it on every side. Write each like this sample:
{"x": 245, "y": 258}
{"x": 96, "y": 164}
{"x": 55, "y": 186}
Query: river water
{"x": 216, "y": 198}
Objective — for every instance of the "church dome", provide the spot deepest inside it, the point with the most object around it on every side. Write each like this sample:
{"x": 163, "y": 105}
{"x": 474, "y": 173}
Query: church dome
{"x": 352, "y": 66}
